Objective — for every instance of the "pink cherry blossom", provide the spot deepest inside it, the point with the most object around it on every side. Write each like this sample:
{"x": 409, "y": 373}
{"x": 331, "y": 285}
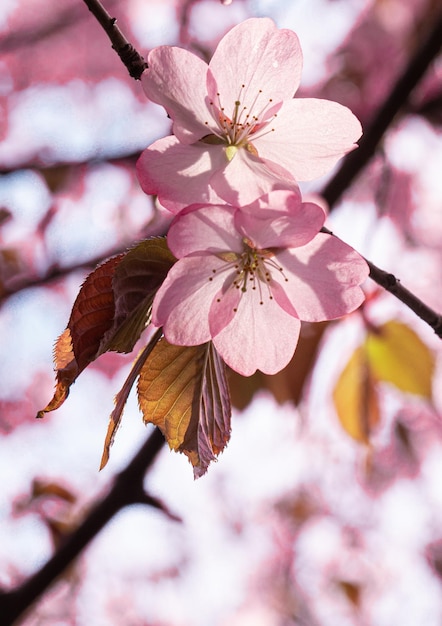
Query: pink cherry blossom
{"x": 238, "y": 132}
{"x": 246, "y": 277}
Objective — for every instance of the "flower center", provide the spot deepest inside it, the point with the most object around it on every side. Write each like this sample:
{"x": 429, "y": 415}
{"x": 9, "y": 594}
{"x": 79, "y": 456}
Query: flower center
{"x": 245, "y": 123}
{"x": 252, "y": 268}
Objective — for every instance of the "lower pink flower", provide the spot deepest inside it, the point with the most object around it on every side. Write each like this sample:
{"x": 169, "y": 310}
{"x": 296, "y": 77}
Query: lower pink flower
{"x": 246, "y": 277}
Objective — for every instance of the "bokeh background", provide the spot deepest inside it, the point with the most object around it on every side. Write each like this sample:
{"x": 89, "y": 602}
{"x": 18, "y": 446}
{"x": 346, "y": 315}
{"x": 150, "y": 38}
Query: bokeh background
{"x": 303, "y": 519}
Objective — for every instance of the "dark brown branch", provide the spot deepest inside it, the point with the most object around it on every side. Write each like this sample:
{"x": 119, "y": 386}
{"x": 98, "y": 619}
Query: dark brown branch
{"x": 127, "y": 489}
{"x": 131, "y": 58}
{"x": 357, "y": 160}
{"x": 391, "y": 284}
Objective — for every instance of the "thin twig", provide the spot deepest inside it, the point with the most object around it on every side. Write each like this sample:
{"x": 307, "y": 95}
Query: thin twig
{"x": 131, "y": 58}
{"x": 393, "y": 285}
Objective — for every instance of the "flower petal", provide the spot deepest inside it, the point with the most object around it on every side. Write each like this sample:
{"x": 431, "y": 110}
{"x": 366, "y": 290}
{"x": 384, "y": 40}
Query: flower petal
{"x": 280, "y": 219}
{"x": 179, "y": 173}
{"x": 324, "y": 278}
{"x": 263, "y": 58}
{"x": 259, "y": 336}
{"x": 247, "y": 177}
{"x": 182, "y": 303}
{"x": 309, "y": 137}
{"x": 176, "y": 79}
{"x": 210, "y": 229}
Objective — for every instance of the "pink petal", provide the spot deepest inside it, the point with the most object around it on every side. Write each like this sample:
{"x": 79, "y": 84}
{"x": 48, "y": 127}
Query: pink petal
{"x": 179, "y": 173}
{"x": 204, "y": 228}
{"x": 259, "y": 336}
{"x": 324, "y": 278}
{"x": 247, "y": 177}
{"x": 183, "y": 301}
{"x": 280, "y": 220}
{"x": 176, "y": 79}
{"x": 224, "y": 307}
{"x": 261, "y": 57}
{"x": 309, "y": 137}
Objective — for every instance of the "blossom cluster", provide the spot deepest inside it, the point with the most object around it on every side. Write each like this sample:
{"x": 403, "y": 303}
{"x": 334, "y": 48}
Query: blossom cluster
{"x": 251, "y": 260}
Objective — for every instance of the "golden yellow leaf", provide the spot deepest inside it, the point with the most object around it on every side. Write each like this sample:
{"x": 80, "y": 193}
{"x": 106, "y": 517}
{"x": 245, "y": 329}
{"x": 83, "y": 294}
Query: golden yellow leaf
{"x": 355, "y": 397}
{"x": 398, "y": 356}
{"x": 183, "y": 390}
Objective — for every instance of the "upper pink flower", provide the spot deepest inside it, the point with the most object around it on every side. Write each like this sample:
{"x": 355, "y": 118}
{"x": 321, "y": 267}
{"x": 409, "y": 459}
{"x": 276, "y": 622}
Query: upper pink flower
{"x": 238, "y": 132}
{"x": 246, "y": 277}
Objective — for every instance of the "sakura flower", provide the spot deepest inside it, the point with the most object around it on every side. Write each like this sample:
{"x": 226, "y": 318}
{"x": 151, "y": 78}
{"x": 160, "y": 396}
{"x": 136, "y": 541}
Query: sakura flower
{"x": 238, "y": 132}
{"x": 246, "y": 277}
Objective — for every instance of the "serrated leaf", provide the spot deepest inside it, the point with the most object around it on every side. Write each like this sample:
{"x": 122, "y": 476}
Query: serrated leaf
{"x": 135, "y": 282}
{"x": 93, "y": 312}
{"x": 67, "y": 371}
{"x": 183, "y": 390}
{"x": 91, "y": 315}
{"x": 110, "y": 312}
{"x": 355, "y": 397}
{"x": 398, "y": 356}
{"x": 122, "y": 395}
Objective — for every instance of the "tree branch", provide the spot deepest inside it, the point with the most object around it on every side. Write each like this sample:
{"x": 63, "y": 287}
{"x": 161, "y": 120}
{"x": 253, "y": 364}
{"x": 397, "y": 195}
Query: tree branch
{"x": 127, "y": 489}
{"x": 393, "y": 285}
{"x": 390, "y": 283}
{"x": 131, "y": 58}
{"x": 357, "y": 160}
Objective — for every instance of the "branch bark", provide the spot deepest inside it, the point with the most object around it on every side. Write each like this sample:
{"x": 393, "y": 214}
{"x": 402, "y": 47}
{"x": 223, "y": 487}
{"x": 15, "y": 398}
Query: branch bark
{"x": 131, "y": 58}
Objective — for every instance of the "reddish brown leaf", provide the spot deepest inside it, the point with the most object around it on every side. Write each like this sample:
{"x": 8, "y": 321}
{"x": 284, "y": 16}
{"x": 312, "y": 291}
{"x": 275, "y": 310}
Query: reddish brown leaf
{"x": 93, "y": 312}
{"x": 78, "y": 345}
{"x": 67, "y": 371}
{"x": 110, "y": 312}
{"x": 183, "y": 390}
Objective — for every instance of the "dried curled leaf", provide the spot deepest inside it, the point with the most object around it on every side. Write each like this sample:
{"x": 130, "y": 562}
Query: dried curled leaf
{"x": 183, "y": 390}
